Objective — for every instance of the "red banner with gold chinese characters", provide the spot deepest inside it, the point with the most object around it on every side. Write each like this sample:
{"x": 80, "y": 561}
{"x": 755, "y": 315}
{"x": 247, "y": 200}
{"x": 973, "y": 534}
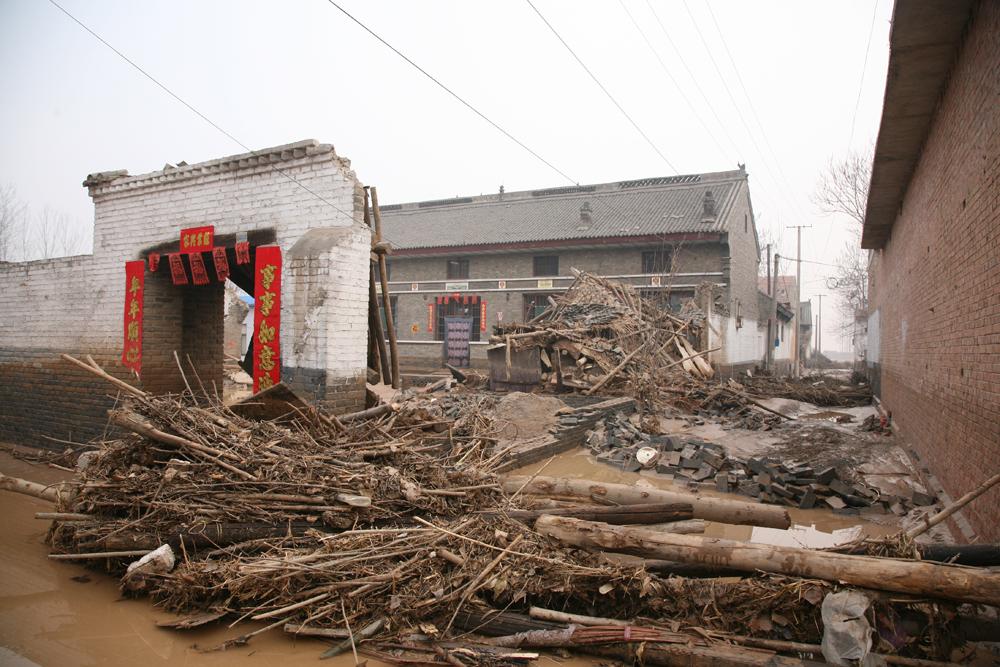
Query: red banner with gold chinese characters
{"x": 267, "y": 318}
{"x": 134, "y": 287}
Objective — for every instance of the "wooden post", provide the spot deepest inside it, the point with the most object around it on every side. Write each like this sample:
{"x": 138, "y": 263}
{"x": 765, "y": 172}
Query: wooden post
{"x": 711, "y": 509}
{"x": 375, "y": 329}
{"x": 951, "y": 582}
{"x": 383, "y": 270}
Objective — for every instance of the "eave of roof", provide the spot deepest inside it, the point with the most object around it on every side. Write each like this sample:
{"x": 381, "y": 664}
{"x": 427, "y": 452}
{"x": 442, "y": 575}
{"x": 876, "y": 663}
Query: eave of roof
{"x": 925, "y": 39}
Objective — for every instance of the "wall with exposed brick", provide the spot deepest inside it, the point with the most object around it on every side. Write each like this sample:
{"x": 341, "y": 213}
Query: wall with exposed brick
{"x": 935, "y": 286}
{"x": 75, "y": 304}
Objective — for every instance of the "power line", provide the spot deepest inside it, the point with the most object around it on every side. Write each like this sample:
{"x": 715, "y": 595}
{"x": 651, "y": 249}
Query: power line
{"x": 195, "y": 111}
{"x": 746, "y": 93}
{"x": 732, "y": 99}
{"x": 601, "y": 86}
{"x": 453, "y": 94}
{"x": 673, "y": 80}
{"x": 864, "y": 68}
{"x": 701, "y": 91}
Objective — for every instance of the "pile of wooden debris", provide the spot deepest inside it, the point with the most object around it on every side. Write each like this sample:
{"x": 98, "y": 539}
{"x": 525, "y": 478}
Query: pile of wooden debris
{"x": 604, "y": 335}
{"x": 392, "y": 532}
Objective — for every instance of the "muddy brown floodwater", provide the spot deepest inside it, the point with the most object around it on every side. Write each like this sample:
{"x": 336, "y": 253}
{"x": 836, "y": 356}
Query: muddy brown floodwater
{"x": 57, "y": 613}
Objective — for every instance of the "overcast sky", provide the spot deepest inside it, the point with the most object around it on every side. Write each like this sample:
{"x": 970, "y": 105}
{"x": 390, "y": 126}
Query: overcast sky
{"x": 274, "y": 72}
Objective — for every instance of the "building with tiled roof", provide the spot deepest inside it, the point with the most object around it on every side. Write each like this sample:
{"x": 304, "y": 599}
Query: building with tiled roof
{"x": 484, "y": 260}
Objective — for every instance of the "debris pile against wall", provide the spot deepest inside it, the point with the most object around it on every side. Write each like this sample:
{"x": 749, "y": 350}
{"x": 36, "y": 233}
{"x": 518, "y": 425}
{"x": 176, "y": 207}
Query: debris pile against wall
{"x": 391, "y": 529}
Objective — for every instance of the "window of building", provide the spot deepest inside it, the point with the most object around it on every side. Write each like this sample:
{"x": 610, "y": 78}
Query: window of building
{"x": 546, "y": 265}
{"x": 657, "y": 261}
{"x": 458, "y": 269}
{"x": 535, "y": 305}
{"x": 461, "y": 306}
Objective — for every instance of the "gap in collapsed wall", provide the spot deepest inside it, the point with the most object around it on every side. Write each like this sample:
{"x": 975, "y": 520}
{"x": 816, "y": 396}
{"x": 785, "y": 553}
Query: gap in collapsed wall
{"x": 189, "y": 320}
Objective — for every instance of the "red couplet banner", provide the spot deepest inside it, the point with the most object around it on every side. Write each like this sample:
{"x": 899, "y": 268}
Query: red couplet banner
{"x": 267, "y": 318}
{"x": 134, "y": 286}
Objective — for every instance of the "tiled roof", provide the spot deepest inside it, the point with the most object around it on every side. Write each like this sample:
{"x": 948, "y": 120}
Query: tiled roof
{"x": 652, "y": 206}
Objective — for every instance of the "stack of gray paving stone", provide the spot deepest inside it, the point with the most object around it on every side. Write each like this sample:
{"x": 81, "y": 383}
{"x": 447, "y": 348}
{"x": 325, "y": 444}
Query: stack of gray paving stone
{"x": 768, "y": 479}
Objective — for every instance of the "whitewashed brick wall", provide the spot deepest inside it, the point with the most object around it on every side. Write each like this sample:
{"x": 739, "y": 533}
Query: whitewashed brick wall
{"x": 75, "y": 304}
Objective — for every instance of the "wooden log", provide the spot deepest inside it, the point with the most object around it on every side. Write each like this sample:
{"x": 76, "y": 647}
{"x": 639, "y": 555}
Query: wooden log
{"x": 29, "y": 488}
{"x": 689, "y": 527}
{"x": 130, "y": 553}
{"x": 313, "y": 631}
{"x": 962, "y": 554}
{"x": 212, "y": 535}
{"x": 952, "y": 582}
{"x": 704, "y": 507}
{"x": 954, "y": 507}
{"x": 366, "y": 414}
{"x": 643, "y": 513}
{"x": 383, "y": 272}
{"x": 375, "y": 328}
{"x": 578, "y": 619}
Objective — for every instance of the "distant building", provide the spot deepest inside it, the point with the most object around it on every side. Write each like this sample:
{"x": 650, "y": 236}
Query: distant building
{"x": 786, "y": 293}
{"x": 461, "y": 266}
{"x": 933, "y": 224}
{"x": 805, "y": 331}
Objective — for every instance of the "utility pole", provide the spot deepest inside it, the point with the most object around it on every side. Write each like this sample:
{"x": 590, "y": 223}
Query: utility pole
{"x": 767, "y": 346}
{"x": 819, "y": 328}
{"x": 774, "y": 304}
{"x": 798, "y": 295}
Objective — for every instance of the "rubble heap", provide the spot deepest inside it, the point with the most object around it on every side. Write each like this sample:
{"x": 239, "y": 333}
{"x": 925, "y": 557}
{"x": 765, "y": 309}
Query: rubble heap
{"x": 618, "y": 442}
{"x": 391, "y": 531}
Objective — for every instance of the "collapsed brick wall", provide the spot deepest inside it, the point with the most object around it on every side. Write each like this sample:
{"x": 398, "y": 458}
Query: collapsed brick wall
{"x": 935, "y": 286}
{"x": 75, "y": 304}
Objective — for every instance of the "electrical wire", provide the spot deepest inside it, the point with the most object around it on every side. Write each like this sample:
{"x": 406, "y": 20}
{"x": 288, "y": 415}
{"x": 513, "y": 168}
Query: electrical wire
{"x": 196, "y": 112}
{"x": 736, "y": 106}
{"x": 864, "y": 69}
{"x": 453, "y": 93}
{"x": 670, "y": 76}
{"x": 601, "y": 86}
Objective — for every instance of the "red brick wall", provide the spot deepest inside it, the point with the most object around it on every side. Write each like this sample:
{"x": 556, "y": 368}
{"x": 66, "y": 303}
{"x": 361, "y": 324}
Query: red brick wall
{"x": 937, "y": 284}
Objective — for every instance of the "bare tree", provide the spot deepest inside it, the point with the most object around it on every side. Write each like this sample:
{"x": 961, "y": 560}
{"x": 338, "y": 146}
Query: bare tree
{"x": 12, "y": 214}
{"x": 843, "y": 187}
{"x": 843, "y": 191}
{"x": 56, "y": 235}
{"x": 850, "y": 282}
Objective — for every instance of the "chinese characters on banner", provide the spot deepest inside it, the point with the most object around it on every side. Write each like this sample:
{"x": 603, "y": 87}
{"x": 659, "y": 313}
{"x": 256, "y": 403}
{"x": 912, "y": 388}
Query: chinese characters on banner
{"x": 267, "y": 318}
{"x": 243, "y": 252}
{"x": 482, "y": 316}
{"x": 430, "y": 317}
{"x": 198, "y": 239}
{"x": 221, "y": 263}
{"x": 134, "y": 285}
{"x": 154, "y": 261}
{"x": 198, "y": 273}
{"x": 178, "y": 274}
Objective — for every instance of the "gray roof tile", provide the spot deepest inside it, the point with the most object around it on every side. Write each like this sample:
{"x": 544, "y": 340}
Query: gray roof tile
{"x": 667, "y": 205}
